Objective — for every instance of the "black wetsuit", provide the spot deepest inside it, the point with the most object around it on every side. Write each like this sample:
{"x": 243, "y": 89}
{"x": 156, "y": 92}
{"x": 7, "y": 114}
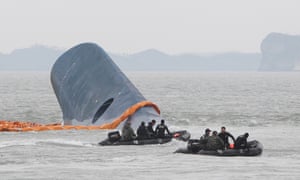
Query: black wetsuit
{"x": 150, "y": 130}
{"x": 160, "y": 130}
{"x": 224, "y": 136}
{"x": 142, "y": 132}
{"x": 241, "y": 142}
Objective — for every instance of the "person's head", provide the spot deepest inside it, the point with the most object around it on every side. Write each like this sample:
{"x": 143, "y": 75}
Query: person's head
{"x": 162, "y": 121}
{"x": 246, "y": 135}
{"x": 207, "y": 131}
{"x": 215, "y": 133}
{"x": 149, "y": 123}
{"x": 223, "y": 129}
{"x": 153, "y": 122}
{"x": 143, "y": 123}
{"x": 127, "y": 123}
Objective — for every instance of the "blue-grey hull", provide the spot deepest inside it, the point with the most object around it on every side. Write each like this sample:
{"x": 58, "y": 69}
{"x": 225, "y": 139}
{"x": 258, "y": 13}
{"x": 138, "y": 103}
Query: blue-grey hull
{"x": 92, "y": 90}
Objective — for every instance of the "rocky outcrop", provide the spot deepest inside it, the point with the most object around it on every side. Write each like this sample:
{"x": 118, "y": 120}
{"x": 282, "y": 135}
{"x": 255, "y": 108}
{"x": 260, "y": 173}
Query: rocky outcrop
{"x": 280, "y": 52}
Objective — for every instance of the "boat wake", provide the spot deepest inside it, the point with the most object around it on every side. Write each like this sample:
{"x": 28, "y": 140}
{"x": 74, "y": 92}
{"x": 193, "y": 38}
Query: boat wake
{"x": 48, "y": 142}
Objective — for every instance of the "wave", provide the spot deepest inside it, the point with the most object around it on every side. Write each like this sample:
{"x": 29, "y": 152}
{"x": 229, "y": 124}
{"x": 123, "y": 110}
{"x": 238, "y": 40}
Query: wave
{"x": 235, "y": 120}
{"x": 4, "y": 144}
{"x": 51, "y": 142}
{"x": 62, "y": 142}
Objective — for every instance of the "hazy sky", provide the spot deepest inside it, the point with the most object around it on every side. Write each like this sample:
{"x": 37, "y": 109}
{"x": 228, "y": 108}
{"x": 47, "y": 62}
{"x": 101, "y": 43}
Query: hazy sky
{"x": 128, "y": 26}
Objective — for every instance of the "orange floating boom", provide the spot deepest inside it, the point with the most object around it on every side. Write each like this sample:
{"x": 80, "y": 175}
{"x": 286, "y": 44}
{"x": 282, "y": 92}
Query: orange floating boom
{"x": 17, "y": 126}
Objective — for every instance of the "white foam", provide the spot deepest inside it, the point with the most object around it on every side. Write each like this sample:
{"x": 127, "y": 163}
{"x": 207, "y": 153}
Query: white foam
{"x": 4, "y": 144}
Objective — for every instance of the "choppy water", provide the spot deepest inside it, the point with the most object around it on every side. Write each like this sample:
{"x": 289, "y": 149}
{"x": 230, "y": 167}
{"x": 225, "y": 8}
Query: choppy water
{"x": 267, "y": 105}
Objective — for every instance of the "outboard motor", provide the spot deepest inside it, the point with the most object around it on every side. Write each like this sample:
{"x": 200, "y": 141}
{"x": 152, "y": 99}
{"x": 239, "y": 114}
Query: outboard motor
{"x": 194, "y": 145}
{"x": 114, "y": 136}
{"x": 181, "y": 135}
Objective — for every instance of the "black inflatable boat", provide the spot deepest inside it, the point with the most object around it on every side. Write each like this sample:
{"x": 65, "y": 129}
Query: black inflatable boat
{"x": 114, "y": 139}
{"x": 255, "y": 148}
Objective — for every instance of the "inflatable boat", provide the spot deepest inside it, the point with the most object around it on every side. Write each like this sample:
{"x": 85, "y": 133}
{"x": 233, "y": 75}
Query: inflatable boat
{"x": 114, "y": 139}
{"x": 254, "y": 148}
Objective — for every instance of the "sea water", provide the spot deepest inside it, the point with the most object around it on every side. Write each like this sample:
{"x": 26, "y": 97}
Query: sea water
{"x": 266, "y": 105}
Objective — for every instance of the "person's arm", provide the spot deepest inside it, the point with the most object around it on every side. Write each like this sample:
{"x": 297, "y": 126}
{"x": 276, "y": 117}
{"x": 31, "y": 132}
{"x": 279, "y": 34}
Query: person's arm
{"x": 246, "y": 144}
{"x": 151, "y": 130}
{"x": 231, "y": 136}
{"x": 156, "y": 129}
{"x": 167, "y": 130}
{"x": 132, "y": 133}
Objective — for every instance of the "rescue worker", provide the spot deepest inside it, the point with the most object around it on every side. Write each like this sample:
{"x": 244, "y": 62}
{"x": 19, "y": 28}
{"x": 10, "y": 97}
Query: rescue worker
{"x": 241, "y": 141}
{"x": 196, "y": 145}
{"x": 150, "y": 129}
{"x": 142, "y": 132}
{"x": 214, "y": 142}
{"x": 224, "y": 136}
{"x": 205, "y": 136}
{"x": 161, "y": 128}
{"x": 127, "y": 132}
{"x": 153, "y": 122}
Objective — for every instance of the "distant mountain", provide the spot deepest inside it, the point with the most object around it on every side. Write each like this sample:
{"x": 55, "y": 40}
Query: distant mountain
{"x": 157, "y": 61}
{"x": 35, "y": 58}
{"x": 42, "y": 58}
{"x": 280, "y": 52}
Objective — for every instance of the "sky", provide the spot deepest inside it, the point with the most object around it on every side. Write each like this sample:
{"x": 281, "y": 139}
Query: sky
{"x": 130, "y": 26}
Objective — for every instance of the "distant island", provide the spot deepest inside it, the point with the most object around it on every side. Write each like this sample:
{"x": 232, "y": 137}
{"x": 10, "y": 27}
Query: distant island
{"x": 279, "y": 52}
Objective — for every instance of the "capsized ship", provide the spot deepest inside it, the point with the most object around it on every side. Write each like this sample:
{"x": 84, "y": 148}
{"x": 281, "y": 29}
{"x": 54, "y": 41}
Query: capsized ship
{"x": 92, "y": 90}
{"x": 93, "y": 93}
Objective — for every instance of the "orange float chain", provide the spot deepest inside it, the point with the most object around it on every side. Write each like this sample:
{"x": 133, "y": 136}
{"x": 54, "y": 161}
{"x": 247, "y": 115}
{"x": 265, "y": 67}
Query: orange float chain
{"x": 27, "y": 126}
